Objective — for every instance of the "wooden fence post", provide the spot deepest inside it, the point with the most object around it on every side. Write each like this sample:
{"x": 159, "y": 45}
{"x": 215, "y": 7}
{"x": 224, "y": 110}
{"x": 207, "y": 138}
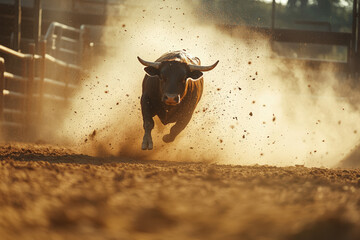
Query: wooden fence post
{"x": 58, "y": 42}
{"x": 105, "y": 7}
{"x": 2, "y": 84}
{"x": 17, "y": 27}
{"x": 42, "y": 48}
{"x": 357, "y": 54}
{"x": 84, "y": 56}
{"x": 66, "y": 89}
{"x": 351, "y": 61}
{"x": 29, "y": 88}
{"x": 24, "y": 73}
{"x": 273, "y": 9}
{"x": 37, "y": 23}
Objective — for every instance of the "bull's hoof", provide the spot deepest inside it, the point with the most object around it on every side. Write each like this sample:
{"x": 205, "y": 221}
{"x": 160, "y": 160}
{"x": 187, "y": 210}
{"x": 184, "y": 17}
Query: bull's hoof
{"x": 168, "y": 138}
{"x": 147, "y": 144}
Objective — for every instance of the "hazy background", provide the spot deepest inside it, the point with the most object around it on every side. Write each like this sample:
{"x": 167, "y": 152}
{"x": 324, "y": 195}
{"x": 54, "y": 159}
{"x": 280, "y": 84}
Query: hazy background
{"x": 256, "y": 107}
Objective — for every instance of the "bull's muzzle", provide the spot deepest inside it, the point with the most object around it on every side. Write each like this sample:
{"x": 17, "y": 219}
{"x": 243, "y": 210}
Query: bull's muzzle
{"x": 171, "y": 99}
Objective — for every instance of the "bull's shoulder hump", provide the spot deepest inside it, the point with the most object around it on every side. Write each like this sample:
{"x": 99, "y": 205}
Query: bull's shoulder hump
{"x": 179, "y": 56}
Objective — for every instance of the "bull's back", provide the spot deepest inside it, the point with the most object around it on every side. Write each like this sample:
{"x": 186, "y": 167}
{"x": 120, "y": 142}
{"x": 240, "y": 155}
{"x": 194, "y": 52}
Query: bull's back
{"x": 180, "y": 56}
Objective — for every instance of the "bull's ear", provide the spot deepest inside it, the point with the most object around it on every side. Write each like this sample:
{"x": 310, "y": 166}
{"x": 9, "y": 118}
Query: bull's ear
{"x": 151, "y": 71}
{"x": 195, "y": 75}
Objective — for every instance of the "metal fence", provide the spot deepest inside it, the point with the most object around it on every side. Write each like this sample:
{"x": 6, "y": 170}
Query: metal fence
{"x": 37, "y": 95}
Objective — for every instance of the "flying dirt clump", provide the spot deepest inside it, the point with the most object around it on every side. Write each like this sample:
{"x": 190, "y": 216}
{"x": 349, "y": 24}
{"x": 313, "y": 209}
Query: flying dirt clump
{"x": 281, "y": 129}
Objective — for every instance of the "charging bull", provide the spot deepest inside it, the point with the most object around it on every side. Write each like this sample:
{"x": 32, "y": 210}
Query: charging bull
{"x": 171, "y": 89}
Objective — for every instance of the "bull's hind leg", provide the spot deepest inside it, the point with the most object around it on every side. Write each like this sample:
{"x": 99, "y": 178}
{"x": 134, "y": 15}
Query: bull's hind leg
{"x": 147, "y": 143}
{"x": 176, "y": 129}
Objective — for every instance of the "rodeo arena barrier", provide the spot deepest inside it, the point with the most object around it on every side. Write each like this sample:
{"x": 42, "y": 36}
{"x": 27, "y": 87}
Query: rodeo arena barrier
{"x": 35, "y": 87}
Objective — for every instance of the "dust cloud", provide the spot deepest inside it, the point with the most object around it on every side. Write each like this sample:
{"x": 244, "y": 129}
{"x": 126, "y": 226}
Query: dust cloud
{"x": 256, "y": 108}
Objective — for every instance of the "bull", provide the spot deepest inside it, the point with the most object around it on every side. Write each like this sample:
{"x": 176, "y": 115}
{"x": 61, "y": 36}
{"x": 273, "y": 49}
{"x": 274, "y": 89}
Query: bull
{"x": 171, "y": 89}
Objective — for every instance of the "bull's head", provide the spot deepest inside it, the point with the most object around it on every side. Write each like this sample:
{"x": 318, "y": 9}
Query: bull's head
{"x": 173, "y": 76}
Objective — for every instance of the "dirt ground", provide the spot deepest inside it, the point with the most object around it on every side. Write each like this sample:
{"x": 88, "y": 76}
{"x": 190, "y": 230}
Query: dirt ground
{"x": 49, "y": 192}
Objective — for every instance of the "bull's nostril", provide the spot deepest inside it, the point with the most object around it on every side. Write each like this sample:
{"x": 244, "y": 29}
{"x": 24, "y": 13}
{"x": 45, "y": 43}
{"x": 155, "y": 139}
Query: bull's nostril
{"x": 171, "y": 98}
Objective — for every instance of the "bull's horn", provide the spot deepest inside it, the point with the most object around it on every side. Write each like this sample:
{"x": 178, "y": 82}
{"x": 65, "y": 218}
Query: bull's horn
{"x": 149, "y": 64}
{"x": 202, "y": 68}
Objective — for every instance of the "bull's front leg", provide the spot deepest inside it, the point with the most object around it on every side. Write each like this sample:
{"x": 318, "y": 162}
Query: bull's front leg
{"x": 176, "y": 129}
{"x": 148, "y": 123}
